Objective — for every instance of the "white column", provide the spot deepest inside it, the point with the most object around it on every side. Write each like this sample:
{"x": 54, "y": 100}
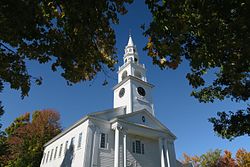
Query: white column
{"x": 170, "y": 153}
{"x": 124, "y": 149}
{"x": 89, "y": 145}
{"x": 116, "y": 158}
{"x": 167, "y": 154}
{"x": 95, "y": 147}
{"x": 161, "y": 146}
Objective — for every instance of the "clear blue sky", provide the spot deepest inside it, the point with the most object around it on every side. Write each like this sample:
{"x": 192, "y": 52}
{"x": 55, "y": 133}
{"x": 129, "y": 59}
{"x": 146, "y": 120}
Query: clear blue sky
{"x": 182, "y": 114}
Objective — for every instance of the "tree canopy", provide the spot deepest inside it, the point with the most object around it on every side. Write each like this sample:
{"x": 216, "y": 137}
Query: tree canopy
{"x": 211, "y": 35}
{"x": 77, "y": 39}
{"x": 25, "y": 138}
{"x": 216, "y": 159}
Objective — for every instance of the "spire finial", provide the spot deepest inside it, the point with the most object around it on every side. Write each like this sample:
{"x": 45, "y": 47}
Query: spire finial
{"x": 130, "y": 41}
{"x": 130, "y": 32}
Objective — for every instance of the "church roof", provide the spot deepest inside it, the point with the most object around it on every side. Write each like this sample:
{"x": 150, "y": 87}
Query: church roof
{"x": 112, "y": 115}
{"x": 105, "y": 114}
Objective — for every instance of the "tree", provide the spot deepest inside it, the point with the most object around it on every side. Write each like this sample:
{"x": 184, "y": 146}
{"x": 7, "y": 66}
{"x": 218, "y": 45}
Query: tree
{"x": 76, "y": 38}
{"x": 243, "y": 158}
{"x": 227, "y": 160}
{"x": 194, "y": 160}
{"x": 3, "y": 145}
{"x": 210, "y": 159}
{"x": 213, "y": 36}
{"x": 215, "y": 159}
{"x": 26, "y": 138}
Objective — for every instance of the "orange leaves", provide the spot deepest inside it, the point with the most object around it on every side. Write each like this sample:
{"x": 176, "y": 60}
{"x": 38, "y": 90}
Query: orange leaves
{"x": 242, "y": 159}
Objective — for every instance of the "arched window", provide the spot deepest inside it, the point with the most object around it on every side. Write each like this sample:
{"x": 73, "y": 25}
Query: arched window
{"x": 135, "y": 59}
{"x": 138, "y": 74}
{"x": 124, "y": 74}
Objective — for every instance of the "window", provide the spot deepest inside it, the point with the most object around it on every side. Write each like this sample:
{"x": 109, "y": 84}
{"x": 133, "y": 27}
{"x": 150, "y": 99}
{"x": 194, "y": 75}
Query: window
{"x": 66, "y": 147}
{"x": 135, "y": 59}
{"x": 55, "y": 152}
{"x": 142, "y": 148}
{"x": 73, "y": 141}
{"x": 47, "y": 157}
{"x": 103, "y": 140}
{"x": 133, "y": 147}
{"x": 51, "y": 154}
{"x": 60, "y": 151}
{"x": 138, "y": 147}
{"x": 79, "y": 140}
{"x": 44, "y": 156}
{"x": 124, "y": 74}
{"x": 143, "y": 119}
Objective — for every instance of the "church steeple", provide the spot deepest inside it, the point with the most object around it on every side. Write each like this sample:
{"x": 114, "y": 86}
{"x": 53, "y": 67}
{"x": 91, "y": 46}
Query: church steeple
{"x": 131, "y": 54}
{"x": 130, "y": 41}
{"x": 133, "y": 90}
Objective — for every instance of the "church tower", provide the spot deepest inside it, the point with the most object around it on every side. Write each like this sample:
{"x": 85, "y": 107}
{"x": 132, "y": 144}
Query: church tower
{"x": 133, "y": 90}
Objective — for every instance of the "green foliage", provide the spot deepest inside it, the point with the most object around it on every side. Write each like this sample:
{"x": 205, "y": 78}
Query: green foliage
{"x": 75, "y": 37}
{"x": 211, "y": 36}
{"x": 210, "y": 159}
{"x": 21, "y": 121}
{"x": 233, "y": 124}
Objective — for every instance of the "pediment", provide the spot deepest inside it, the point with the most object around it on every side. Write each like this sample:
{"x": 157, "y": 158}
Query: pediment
{"x": 145, "y": 119}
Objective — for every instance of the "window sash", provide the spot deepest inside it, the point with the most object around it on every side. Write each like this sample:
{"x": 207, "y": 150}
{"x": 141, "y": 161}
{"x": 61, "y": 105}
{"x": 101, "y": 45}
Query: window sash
{"x": 66, "y": 147}
{"x": 60, "y": 151}
{"x": 79, "y": 140}
{"x": 55, "y": 152}
{"x": 138, "y": 146}
{"x": 142, "y": 148}
{"x": 44, "y": 157}
{"x": 103, "y": 140}
{"x": 51, "y": 155}
{"x": 133, "y": 147}
{"x": 47, "y": 157}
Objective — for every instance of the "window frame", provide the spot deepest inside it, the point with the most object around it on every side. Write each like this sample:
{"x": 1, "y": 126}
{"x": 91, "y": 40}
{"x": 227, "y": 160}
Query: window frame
{"x": 79, "y": 144}
{"x": 138, "y": 147}
{"x": 47, "y": 157}
{"x": 60, "y": 150}
{"x": 105, "y": 141}
{"x": 55, "y": 152}
{"x": 44, "y": 157}
{"x": 66, "y": 147}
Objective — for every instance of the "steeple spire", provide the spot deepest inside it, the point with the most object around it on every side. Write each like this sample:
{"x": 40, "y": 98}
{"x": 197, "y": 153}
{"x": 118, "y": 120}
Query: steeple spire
{"x": 131, "y": 54}
{"x": 130, "y": 41}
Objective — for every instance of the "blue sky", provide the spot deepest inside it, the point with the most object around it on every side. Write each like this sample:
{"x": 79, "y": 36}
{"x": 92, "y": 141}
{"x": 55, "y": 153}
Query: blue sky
{"x": 182, "y": 114}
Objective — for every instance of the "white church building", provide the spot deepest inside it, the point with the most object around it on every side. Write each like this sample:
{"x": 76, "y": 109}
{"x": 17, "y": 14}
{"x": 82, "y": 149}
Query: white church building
{"x": 128, "y": 135}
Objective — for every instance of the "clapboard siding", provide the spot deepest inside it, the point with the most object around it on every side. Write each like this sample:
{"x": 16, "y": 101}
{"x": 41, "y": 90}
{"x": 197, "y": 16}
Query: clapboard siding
{"x": 106, "y": 156}
{"x": 151, "y": 157}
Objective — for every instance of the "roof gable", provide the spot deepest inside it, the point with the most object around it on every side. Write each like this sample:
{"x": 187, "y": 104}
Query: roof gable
{"x": 144, "y": 118}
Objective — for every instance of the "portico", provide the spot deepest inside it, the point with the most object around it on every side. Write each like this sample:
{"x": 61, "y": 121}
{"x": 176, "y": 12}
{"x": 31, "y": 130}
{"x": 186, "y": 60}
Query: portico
{"x": 124, "y": 129}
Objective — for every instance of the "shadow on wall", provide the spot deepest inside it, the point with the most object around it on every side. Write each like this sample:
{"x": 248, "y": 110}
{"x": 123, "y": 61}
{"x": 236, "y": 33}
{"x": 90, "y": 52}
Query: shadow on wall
{"x": 69, "y": 155}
